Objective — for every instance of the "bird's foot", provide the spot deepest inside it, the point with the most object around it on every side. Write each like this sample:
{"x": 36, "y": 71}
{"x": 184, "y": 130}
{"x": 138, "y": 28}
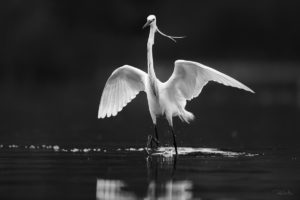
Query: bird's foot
{"x": 150, "y": 142}
{"x": 147, "y": 151}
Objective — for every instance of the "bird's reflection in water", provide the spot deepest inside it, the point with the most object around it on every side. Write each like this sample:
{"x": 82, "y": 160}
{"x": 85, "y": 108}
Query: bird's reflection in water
{"x": 161, "y": 171}
{"x": 161, "y": 185}
{"x": 111, "y": 190}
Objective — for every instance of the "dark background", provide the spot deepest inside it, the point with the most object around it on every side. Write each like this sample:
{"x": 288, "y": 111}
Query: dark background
{"x": 56, "y": 56}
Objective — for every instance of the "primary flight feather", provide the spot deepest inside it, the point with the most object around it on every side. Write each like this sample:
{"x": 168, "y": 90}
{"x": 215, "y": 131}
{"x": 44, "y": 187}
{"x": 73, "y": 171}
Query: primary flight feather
{"x": 169, "y": 98}
{"x": 121, "y": 87}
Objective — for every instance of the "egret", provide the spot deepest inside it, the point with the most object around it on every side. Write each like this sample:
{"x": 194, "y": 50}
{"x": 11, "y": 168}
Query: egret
{"x": 164, "y": 99}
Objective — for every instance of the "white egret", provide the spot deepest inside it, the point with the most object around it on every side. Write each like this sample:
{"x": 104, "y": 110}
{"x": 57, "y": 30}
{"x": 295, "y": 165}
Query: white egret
{"x": 168, "y": 98}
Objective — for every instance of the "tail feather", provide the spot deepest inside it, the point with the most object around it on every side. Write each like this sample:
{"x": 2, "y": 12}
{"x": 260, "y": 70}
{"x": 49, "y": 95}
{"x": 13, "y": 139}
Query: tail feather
{"x": 186, "y": 116}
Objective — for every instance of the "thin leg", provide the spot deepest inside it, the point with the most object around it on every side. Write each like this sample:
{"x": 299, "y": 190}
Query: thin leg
{"x": 149, "y": 143}
{"x": 155, "y": 137}
{"x": 156, "y": 133}
{"x": 174, "y": 140}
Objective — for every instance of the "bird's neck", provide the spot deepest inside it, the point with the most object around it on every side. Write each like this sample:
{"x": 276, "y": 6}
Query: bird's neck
{"x": 151, "y": 72}
{"x": 150, "y": 43}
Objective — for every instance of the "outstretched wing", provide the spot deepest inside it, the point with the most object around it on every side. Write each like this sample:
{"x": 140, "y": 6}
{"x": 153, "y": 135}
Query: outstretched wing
{"x": 121, "y": 87}
{"x": 190, "y": 77}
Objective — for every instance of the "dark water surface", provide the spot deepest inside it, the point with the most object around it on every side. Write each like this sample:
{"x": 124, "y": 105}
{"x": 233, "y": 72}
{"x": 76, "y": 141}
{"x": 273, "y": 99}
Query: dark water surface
{"x": 53, "y": 172}
{"x": 252, "y": 146}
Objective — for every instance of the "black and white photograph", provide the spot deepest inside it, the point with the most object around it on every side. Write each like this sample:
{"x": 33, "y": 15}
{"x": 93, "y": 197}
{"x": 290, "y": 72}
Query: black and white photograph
{"x": 160, "y": 100}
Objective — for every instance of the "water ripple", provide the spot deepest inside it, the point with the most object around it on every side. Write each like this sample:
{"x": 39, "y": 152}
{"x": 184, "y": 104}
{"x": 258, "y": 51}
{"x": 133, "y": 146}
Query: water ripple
{"x": 161, "y": 151}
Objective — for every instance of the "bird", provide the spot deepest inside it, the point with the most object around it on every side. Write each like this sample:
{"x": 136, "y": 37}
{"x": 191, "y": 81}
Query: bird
{"x": 167, "y": 99}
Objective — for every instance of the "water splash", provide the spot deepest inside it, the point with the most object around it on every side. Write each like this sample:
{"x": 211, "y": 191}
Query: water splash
{"x": 170, "y": 151}
{"x": 161, "y": 151}
{"x": 54, "y": 148}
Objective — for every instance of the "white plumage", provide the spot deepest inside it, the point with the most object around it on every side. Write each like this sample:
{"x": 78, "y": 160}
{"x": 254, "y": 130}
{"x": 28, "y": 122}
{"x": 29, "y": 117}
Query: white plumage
{"x": 121, "y": 87}
{"x": 185, "y": 83}
{"x": 167, "y": 98}
{"x": 190, "y": 77}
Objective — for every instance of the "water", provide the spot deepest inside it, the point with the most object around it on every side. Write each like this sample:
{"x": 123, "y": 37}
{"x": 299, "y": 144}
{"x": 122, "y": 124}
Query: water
{"x": 55, "y": 172}
{"x": 52, "y": 146}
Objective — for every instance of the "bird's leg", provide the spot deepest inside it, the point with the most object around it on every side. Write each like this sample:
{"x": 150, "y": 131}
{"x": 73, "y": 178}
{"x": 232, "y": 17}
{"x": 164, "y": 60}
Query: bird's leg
{"x": 156, "y": 133}
{"x": 149, "y": 143}
{"x": 152, "y": 139}
{"x": 174, "y": 140}
{"x": 155, "y": 138}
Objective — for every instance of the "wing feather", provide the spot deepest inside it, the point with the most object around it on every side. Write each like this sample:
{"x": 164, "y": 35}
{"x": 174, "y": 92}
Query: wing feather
{"x": 190, "y": 77}
{"x": 115, "y": 100}
{"x": 120, "y": 94}
{"x": 109, "y": 105}
{"x": 125, "y": 97}
{"x": 121, "y": 87}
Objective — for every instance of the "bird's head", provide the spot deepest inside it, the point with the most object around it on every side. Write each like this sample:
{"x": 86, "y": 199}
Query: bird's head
{"x": 151, "y": 20}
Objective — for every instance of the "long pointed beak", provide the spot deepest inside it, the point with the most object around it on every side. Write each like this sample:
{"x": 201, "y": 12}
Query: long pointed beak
{"x": 147, "y": 24}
